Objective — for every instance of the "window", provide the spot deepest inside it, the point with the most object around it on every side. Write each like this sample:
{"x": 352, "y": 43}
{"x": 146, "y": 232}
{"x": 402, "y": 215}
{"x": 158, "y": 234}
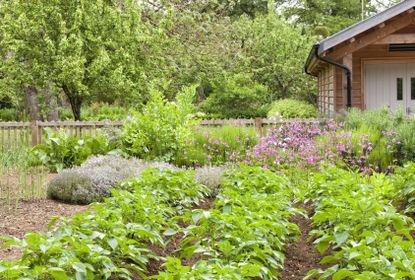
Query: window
{"x": 412, "y": 88}
{"x": 399, "y": 89}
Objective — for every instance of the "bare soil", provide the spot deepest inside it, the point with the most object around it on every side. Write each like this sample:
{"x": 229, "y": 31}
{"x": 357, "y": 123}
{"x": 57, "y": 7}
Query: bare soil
{"x": 31, "y": 216}
{"x": 301, "y": 256}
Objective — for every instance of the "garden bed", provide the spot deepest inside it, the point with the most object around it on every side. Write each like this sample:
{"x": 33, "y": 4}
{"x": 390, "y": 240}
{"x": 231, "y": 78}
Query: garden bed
{"x": 31, "y": 216}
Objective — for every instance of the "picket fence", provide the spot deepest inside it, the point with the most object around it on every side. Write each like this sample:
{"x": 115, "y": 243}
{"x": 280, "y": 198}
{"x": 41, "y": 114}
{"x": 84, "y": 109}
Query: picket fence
{"x": 17, "y": 135}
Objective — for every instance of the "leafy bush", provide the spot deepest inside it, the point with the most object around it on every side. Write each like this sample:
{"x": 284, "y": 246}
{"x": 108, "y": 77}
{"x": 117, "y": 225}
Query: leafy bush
{"x": 160, "y": 131}
{"x": 9, "y": 115}
{"x": 292, "y": 109}
{"x": 103, "y": 111}
{"x": 236, "y": 96}
{"x": 93, "y": 180}
{"x": 62, "y": 150}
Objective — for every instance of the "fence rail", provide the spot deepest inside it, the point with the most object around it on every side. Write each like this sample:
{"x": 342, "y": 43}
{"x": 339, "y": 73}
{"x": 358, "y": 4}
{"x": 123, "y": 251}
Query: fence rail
{"x": 15, "y": 135}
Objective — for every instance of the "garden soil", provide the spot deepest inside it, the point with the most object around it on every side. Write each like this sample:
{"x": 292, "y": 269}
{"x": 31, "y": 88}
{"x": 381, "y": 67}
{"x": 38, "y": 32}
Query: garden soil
{"x": 301, "y": 256}
{"x": 33, "y": 216}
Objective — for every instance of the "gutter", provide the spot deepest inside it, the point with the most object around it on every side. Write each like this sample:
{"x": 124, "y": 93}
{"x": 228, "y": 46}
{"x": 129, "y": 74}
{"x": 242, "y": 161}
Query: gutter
{"x": 346, "y": 70}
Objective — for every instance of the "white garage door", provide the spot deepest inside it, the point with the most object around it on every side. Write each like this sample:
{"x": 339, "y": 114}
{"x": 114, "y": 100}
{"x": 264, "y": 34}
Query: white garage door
{"x": 391, "y": 85}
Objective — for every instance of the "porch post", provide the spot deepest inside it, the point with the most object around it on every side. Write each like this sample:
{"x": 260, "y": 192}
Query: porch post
{"x": 347, "y": 61}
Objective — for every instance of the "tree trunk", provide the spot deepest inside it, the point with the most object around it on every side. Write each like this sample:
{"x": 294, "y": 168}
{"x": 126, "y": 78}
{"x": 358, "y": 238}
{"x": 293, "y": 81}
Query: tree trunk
{"x": 31, "y": 96}
{"x": 52, "y": 103}
{"x": 75, "y": 100}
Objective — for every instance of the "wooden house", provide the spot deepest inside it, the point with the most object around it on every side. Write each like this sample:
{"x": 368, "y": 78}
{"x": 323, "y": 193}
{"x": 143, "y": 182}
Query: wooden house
{"x": 368, "y": 65}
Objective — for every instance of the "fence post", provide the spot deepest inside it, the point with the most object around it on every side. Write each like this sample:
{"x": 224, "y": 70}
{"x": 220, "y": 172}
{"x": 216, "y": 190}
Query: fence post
{"x": 258, "y": 126}
{"x": 35, "y": 132}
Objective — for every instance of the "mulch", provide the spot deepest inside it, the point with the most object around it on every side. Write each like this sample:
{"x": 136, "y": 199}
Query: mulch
{"x": 301, "y": 256}
{"x": 31, "y": 216}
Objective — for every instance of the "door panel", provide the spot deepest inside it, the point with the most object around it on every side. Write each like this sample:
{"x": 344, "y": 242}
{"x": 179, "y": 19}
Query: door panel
{"x": 410, "y": 103}
{"x": 386, "y": 85}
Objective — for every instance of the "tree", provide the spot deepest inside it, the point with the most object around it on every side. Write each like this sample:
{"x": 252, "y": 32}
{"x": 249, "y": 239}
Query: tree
{"x": 325, "y": 17}
{"x": 85, "y": 49}
{"x": 274, "y": 52}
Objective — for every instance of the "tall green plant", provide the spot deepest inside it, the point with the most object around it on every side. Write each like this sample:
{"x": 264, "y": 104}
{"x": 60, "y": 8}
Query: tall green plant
{"x": 161, "y": 130}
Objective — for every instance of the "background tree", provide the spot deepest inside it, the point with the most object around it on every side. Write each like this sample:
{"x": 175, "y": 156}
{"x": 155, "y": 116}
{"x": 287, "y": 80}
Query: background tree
{"x": 85, "y": 49}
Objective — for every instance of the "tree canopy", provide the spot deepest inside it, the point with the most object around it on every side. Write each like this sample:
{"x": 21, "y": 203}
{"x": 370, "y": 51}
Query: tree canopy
{"x": 118, "y": 51}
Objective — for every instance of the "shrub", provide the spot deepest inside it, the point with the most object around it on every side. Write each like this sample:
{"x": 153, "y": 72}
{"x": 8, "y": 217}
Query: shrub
{"x": 292, "y": 109}
{"x": 9, "y": 114}
{"x": 236, "y": 96}
{"x": 160, "y": 131}
{"x": 211, "y": 177}
{"x": 93, "y": 180}
{"x": 103, "y": 111}
{"x": 76, "y": 186}
{"x": 62, "y": 150}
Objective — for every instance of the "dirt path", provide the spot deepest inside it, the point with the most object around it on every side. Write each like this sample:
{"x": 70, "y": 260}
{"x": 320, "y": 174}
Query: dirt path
{"x": 31, "y": 216}
{"x": 301, "y": 256}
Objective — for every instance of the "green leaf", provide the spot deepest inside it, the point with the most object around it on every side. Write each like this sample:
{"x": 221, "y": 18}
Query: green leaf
{"x": 79, "y": 267}
{"x": 113, "y": 243}
{"x": 169, "y": 232}
{"x": 58, "y": 273}
{"x": 342, "y": 274}
{"x": 341, "y": 237}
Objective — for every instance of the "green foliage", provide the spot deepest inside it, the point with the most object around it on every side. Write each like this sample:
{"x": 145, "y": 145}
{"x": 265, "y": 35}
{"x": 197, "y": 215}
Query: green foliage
{"x": 353, "y": 216}
{"x": 62, "y": 150}
{"x": 84, "y": 49}
{"x": 112, "y": 240}
{"x": 160, "y": 131}
{"x": 325, "y": 17}
{"x": 236, "y": 96}
{"x": 14, "y": 158}
{"x": 274, "y": 52}
{"x": 292, "y": 109}
{"x": 406, "y": 137}
{"x": 244, "y": 234}
{"x": 98, "y": 112}
{"x": 217, "y": 146}
{"x": 9, "y": 115}
{"x": 404, "y": 181}
{"x": 380, "y": 119}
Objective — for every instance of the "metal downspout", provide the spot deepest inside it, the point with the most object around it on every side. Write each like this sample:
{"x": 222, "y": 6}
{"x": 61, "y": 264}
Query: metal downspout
{"x": 346, "y": 69}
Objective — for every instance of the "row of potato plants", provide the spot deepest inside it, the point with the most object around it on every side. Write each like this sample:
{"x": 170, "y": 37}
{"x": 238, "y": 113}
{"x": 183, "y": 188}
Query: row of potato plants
{"x": 111, "y": 241}
{"x": 355, "y": 221}
{"x": 243, "y": 236}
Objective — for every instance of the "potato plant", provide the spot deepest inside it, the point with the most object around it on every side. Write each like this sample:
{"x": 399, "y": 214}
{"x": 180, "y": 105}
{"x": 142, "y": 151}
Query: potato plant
{"x": 111, "y": 240}
{"x": 354, "y": 216}
{"x": 244, "y": 235}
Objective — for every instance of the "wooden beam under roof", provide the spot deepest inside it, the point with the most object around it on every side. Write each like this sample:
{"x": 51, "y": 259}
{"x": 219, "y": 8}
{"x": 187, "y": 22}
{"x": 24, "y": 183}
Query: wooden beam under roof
{"x": 397, "y": 39}
{"x": 372, "y": 36}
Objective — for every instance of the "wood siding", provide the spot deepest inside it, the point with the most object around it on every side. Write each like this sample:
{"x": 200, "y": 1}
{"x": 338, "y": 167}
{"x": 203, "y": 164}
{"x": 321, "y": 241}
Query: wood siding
{"x": 326, "y": 90}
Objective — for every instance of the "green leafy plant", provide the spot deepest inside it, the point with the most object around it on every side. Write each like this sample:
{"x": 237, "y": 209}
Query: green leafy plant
{"x": 112, "y": 240}
{"x": 236, "y": 96}
{"x": 160, "y": 131}
{"x": 62, "y": 150}
{"x": 353, "y": 216}
{"x": 292, "y": 109}
{"x": 243, "y": 236}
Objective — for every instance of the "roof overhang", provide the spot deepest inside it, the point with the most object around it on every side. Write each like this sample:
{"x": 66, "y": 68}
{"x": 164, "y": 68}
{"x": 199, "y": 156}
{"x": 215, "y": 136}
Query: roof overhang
{"x": 357, "y": 29}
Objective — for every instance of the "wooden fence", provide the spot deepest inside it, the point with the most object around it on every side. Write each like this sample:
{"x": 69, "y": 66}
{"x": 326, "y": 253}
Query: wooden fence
{"x": 15, "y": 135}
